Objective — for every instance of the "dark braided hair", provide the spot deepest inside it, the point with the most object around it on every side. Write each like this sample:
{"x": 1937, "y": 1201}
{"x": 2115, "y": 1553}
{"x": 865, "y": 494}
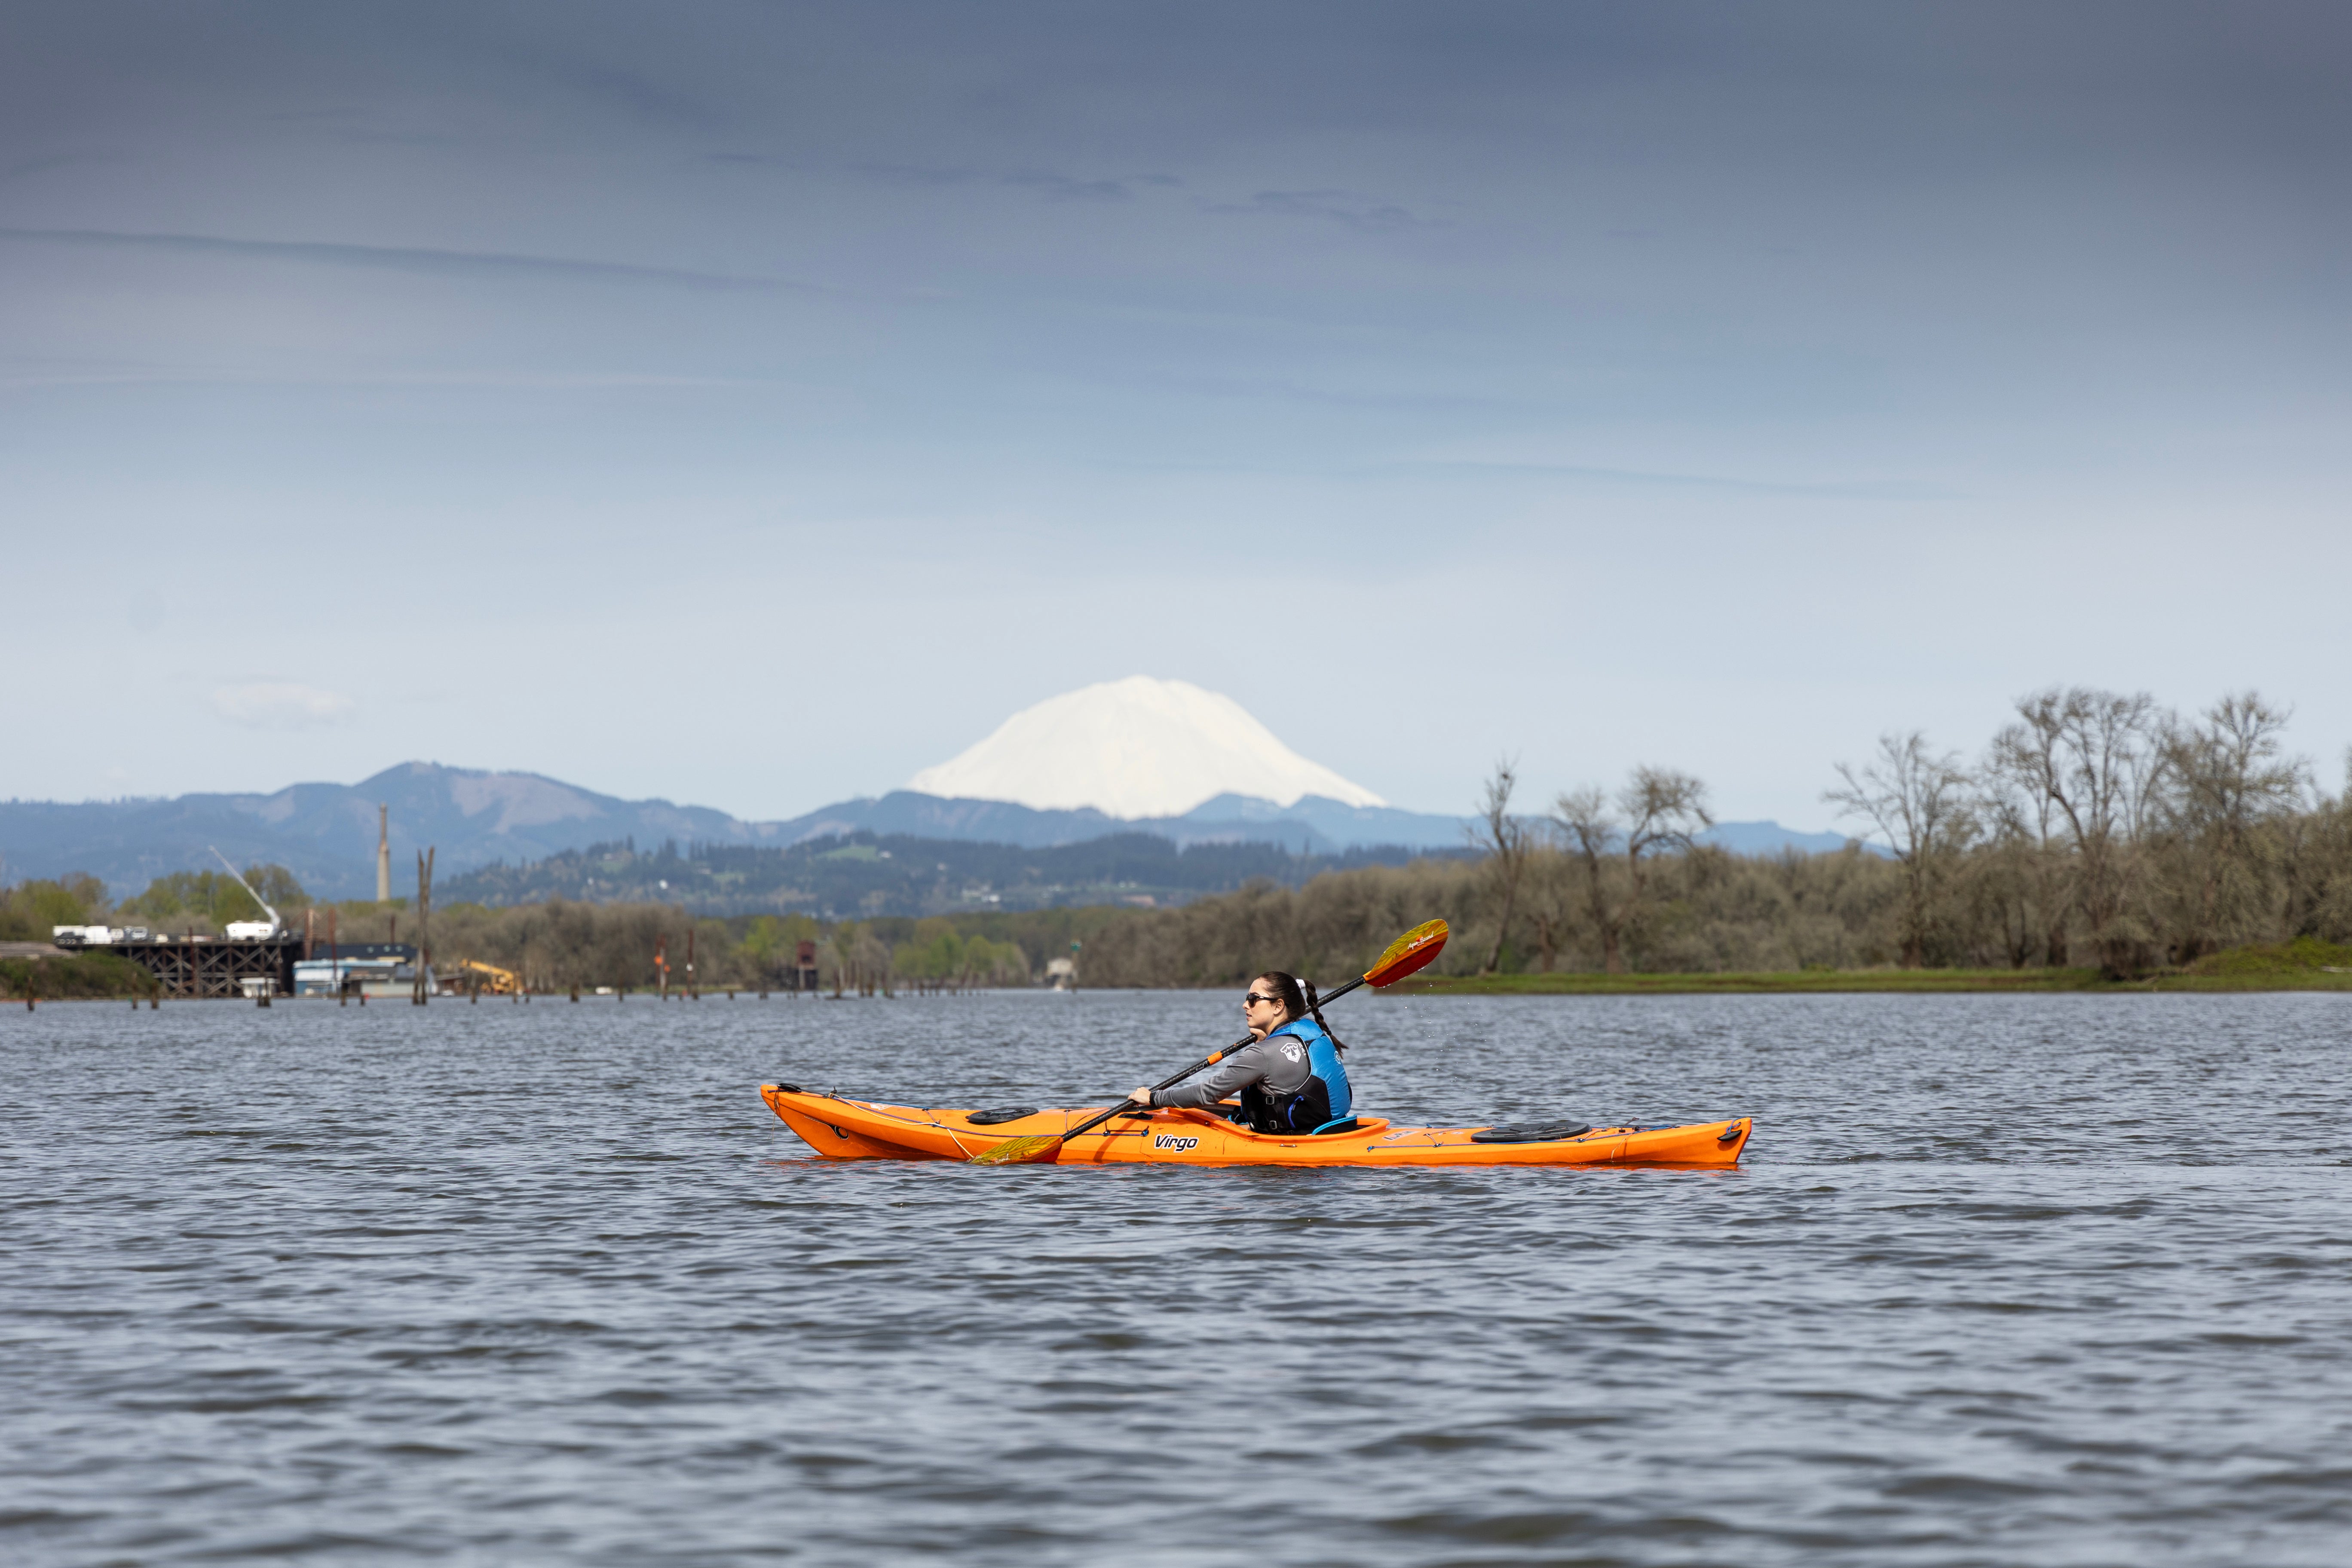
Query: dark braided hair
{"x": 1300, "y": 1001}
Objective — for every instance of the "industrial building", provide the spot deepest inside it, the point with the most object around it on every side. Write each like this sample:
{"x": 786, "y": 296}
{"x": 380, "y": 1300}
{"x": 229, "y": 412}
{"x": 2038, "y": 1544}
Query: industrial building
{"x": 363, "y": 969}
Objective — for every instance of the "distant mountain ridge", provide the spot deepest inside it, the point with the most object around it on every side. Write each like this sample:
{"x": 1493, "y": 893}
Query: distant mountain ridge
{"x": 1771, "y": 838}
{"x": 1315, "y": 826}
{"x": 326, "y": 833}
{"x": 862, "y": 874}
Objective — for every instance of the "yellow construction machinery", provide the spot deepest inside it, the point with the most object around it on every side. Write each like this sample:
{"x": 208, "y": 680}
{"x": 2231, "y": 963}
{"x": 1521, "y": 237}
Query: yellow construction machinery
{"x": 498, "y": 982}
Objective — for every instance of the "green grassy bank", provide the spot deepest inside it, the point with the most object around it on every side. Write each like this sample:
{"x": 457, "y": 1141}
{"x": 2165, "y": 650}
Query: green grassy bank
{"x": 77, "y": 975}
{"x": 2304, "y": 965}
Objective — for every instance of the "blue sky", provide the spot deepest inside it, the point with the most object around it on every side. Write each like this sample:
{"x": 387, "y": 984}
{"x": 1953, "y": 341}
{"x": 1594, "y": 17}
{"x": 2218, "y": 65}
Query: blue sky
{"x": 752, "y": 405}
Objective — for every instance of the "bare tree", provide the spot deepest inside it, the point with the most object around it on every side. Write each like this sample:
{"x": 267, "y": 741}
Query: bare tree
{"x": 1663, "y": 811}
{"x": 1657, "y": 810}
{"x": 1507, "y": 841}
{"x": 2094, "y": 757}
{"x": 1590, "y": 831}
{"x": 1549, "y": 900}
{"x": 2016, "y": 873}
{"x": 2318, "y": 863}
{"x": 2225, "y": 778}
{"x": 1919, "y": 801}
{"x": 2016, "y": 806}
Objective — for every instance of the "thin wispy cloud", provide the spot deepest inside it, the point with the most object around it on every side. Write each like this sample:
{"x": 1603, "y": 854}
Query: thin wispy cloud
{"x": 1062, "y": 188}
{"x": 31, "y": 166}
{"x": 1066, "y": 188}
{"x": 469, "y": 264}
{"x": 900, "y": 173}
{"x": 1344, "y": 208}
{"x": 555, "y": 381}
{"x": 1052, "y": 184}
{"x": 1852, "y": 489}
{"x": 281, "y": 705}
{"x": 635, "y": 95}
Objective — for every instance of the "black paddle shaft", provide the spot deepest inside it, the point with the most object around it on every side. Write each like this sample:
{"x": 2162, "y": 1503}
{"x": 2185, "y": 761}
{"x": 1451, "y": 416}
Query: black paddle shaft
{"x": 1203, "y": 1064}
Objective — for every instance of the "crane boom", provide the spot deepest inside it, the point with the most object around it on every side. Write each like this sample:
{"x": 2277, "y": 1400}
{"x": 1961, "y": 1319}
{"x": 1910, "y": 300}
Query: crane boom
{"x": 276, "y": 925}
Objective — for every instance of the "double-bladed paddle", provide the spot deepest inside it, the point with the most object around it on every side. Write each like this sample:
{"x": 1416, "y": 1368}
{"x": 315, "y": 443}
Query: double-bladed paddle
{"x": 1409, "y": 953}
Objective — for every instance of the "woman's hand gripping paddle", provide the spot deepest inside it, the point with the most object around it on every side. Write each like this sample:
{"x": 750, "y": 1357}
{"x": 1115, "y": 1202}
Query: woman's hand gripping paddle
{"x": 1409, "y": 953}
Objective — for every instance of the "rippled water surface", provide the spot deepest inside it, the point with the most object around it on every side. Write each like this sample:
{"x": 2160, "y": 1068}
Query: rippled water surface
{"x": 2001, "y": 1281}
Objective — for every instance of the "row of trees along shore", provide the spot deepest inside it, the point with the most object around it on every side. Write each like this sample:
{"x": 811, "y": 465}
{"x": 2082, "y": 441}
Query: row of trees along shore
{"x": 2097, "y": 830}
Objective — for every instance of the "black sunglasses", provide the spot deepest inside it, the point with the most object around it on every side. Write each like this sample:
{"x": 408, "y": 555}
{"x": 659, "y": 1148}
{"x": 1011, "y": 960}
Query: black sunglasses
{"x": 1252, "y": 998}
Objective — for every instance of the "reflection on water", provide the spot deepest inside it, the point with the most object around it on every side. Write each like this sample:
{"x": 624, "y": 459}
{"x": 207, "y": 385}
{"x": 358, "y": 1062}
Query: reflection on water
{"x": 2003, "y": 1280}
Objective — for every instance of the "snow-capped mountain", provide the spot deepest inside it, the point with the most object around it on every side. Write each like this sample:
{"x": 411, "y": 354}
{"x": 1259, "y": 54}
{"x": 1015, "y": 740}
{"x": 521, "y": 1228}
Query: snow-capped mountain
{"x": 1135, "y": 748}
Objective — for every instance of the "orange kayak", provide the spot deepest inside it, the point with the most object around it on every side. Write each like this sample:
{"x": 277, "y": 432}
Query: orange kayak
{"x": 858, "y": 1130}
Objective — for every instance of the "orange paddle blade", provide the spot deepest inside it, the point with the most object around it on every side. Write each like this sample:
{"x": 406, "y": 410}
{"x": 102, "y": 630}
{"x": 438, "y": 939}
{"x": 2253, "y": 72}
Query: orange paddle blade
{"x": 1409, "y": 952}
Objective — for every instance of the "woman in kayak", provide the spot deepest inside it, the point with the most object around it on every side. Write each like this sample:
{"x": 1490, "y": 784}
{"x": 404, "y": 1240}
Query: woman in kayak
{"x": 1290, "y": 1077}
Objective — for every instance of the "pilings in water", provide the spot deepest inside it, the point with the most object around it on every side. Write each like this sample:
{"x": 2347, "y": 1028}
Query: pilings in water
{"x": 266, "y": 996}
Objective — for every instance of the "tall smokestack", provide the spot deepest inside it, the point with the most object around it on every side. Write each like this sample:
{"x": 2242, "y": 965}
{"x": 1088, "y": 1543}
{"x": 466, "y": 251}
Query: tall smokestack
{"x": 384, "y": 854}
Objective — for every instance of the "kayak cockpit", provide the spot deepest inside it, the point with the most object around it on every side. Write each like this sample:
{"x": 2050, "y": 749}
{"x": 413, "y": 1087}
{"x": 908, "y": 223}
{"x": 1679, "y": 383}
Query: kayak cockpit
{"x": 1354, "y": 1127}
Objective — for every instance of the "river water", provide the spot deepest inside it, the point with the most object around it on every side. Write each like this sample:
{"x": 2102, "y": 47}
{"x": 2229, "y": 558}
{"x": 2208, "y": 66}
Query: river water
{"x": 2001, "y": 1281}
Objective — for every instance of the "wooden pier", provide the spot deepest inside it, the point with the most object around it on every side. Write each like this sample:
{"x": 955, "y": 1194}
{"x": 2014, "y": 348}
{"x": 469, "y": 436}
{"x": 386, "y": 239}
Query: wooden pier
{"x": 201, "y": 966}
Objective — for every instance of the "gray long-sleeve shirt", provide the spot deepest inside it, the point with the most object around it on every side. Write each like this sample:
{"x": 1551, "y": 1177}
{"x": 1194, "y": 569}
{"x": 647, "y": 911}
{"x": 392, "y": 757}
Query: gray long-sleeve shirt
{"x": 1277, "y": 1063}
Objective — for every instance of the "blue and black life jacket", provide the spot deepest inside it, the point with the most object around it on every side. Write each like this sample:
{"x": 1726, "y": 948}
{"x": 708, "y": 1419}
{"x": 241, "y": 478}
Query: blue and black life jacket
{"x": 1322, "y": 1099}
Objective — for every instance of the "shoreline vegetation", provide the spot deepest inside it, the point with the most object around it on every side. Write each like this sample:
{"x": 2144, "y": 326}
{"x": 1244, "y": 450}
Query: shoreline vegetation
{"x": 2300, "y": 967}
{"x": 2102, "y": 843}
